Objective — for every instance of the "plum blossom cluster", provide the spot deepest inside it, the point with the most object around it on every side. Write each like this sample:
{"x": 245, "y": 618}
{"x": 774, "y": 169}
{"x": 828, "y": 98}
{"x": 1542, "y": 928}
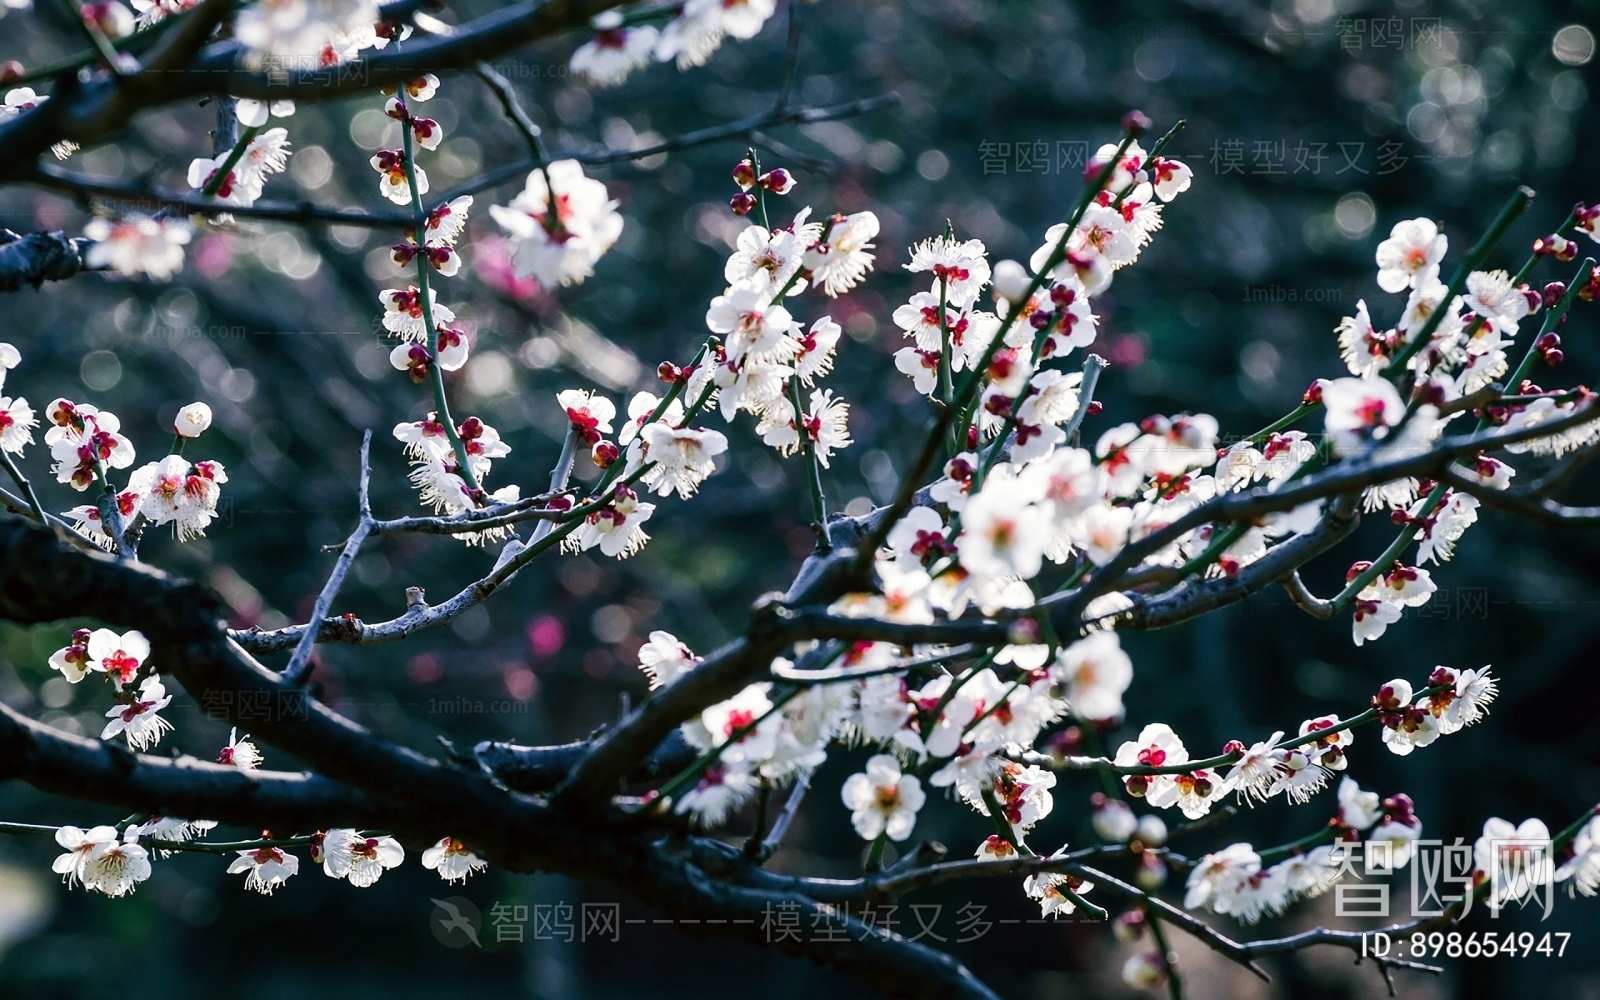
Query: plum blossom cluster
{"x": 88, "y": 448}
{"x": 765, "y": 356}
{"x": 686, "y": 34}
{"x": 114, "y": 859}
{"x": 306, "y": 34}
{"x": 1447, "y": 346}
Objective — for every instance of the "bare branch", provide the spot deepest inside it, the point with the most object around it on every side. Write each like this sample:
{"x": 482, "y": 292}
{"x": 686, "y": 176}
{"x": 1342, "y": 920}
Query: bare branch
{"x": 33, "y": 259}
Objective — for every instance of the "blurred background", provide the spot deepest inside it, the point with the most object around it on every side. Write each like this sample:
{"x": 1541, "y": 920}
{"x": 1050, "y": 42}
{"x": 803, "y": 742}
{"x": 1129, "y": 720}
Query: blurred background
{"x": 1313, "y": 126}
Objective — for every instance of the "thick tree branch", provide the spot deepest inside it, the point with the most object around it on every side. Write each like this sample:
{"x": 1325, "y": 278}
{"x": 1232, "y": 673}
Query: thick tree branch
{"x": 33, "y": 259}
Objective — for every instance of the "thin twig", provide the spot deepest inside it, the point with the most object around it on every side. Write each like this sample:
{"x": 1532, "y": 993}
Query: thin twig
{"x": 299, "y": 661}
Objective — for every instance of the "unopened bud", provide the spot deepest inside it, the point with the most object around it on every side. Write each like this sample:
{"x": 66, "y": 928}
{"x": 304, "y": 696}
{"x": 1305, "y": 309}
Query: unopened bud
{"x": 1145, "y": 971}
{"x": 1135, "y": 123}
{"x": 192, "y": 420}
{"x": 1011, "y": 281}
{"x": 604, "y": 453}
{"x": 744, "y": 174}
{"x": 742, "y": 203}
{"x": 1152, "y": 873}
{"x": 778, "y": 181}
{"x": 1129, "y": 926}
{"x": 666, "y": 371}
{"x": 1313, "y": 393}
{"x": 1152, "y": 830}
{"x": 11, "y": 71}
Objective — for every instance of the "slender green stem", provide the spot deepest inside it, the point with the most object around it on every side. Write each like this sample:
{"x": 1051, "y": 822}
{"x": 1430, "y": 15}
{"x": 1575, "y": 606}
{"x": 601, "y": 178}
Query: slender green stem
{"x": 875, "y": 852}
{"x": 220, "y": 176}
{"x": 819, "y": 502}
{"x": 1514, "y": 206}
{"x": 1287, "y": 420}
{"x": 441, "y": 402}
{"x": 1169, "y": 958}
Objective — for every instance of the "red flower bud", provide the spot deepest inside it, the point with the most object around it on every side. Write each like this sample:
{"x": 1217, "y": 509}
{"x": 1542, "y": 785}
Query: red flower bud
{"x": 605, "y": 453}
{"x": 742, "y": 203}
{"x": 744, "y": 174}
{"x": 778, "y": 181}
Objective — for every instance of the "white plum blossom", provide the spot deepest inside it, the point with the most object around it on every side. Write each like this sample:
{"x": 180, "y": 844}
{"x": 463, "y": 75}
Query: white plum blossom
{"x": 722, "y": 788}
{"x": 137, "y": 244}
{"x": 114, "y": 867}
{"x": 560, "y": 225}
{"x": 452, "y": 860}
{"x": 841, "y": 259}
{"x": 293, "y": 31}
{"x": 1581, "y": 872}
{"x": 1156, "y": 746}
{"x": 1217, "y": 878}
{"x": 883, "y": 801}
{"x": 240, "y": 752}
{"x": 79, "y": 844}
{"x": 1095, "y": 672}
{"x": 1360, "y": 410}
{"x": 615, "y": 50}
{"x": 348, "y": 854}
{"x": 960, "y": 267}
{"x": 683, "y": 457}
{"x": 664, "y": 659}
{"x": 265, "y": 868}
{"x": 1412, "y": 253}
{"x": 1050, "y": 890}
{"x": 1516, "y": 860}
{"x": 192, "y": 420}
{"x": 136, "y": 718}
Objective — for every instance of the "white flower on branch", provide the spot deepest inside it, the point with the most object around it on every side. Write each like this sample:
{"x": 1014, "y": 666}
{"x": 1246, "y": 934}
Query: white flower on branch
{"x": 452, "y": 860}
{"x": 348, "y": 854}
{"x": 1496, "y": 301}
{"x": 112, "y": 866}
{"x": 135, "y": 718}
{"x": 683, "y": 457}
{"x": 664, "y": 659}
{"x": 1581, "y": 872}
{"x": 615, "y": 50}
{"x": 240, "y": 752}
{"x": 560, "y": 225}
{"x": 1410, "y": 255}
{"x": 1516, "y": 860}
{"x": 265, "y": 868}
{"x": 1095, "y": 672}
{"x": 1156, "y": 746}
{"x": 137, "y": 244}
{"x": 841, "y": 260}
{"x": 293, "y": 31}
{"x": 617, "y": 528}
{"x": 770, "y": 259}
{"x": 961, "y": 267}
{"x": 1359, "y": 410}
{"x": 1050, "y": 890}
{"x": 722, "y": 788}
{"x": 172, "y": 491}
{"x": 883, "y": 801}
{"x": 1217, "y": 878}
